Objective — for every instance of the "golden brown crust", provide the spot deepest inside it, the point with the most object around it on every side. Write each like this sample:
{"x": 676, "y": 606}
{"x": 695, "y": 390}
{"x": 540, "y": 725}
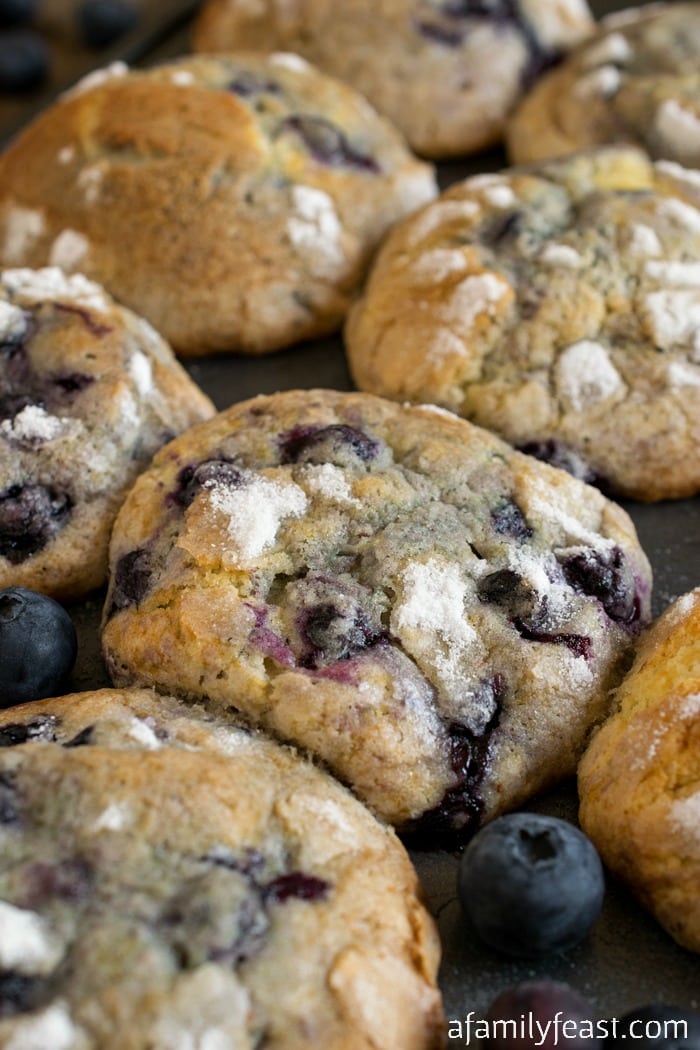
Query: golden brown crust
{"x": 639, "y": 781}
{"x": 203, "y": 208}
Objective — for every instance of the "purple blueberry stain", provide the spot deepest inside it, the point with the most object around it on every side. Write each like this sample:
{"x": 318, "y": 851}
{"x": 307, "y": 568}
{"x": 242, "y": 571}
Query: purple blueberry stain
{"x": 327, "y": 143}
{"x": 207, "y": 474}
{"x": 445, "y": 36}
{"x": 266, "y": 640}
{"x": 67, "y": 880}
{"x": 296, "y": 885}
{"x": 30, "y": 517}
{"x": 460, "y": 811}
{"x": 509, "y": 591}
{"x": 339, "y": 444}
{"x": 131, "y": 580}
{"x": 604, "y": 574}
{"x": 95, "y": 327}
{"x": 578, "y": 644}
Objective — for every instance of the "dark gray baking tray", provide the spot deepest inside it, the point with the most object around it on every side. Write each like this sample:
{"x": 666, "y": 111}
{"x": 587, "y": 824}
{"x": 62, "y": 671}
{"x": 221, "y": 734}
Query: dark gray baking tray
{"x": 628, "y": 960}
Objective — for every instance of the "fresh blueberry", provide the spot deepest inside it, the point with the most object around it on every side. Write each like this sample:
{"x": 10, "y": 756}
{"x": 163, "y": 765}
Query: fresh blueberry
{"x": 659, "y": 1026}
{"x": 605, "y": 575}
{"x": 547, "y": 1014}
{"x": 338, "y": 443}
{"x": 24, "y": 60}
{"x": 102, "y": 22}
{"x": 327, "y": 144}
{"x": 531, "y": 884}
{"x": 30, "y": 516}
{"x": 38, "y": 646}
{"x": 15, "y": 12}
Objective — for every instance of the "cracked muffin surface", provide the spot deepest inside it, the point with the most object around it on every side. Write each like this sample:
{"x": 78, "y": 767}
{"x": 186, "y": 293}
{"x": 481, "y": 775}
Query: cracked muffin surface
{"x": 558, "y": 305}
{"x": 166, "y": 880}
{"x": 233, "y": 201}
{"x": 437, "y": 617}
{"x": 639, "y": 780}
{"x": 446, "y": 72}
{"x": 88, "y": 392}
{"x": 634, "y": 80}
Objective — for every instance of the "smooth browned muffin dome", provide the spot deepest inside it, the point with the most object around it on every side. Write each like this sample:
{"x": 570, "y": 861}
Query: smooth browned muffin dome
{"x": 233, "y": 201}
{"x": 446, "y": 72}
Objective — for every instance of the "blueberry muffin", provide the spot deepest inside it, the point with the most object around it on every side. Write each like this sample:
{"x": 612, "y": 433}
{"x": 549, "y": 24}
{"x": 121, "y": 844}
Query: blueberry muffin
{"x": 169, "y": 882}
{"x": 636, "y": 80}
{"x": 435, "y": 616}
{"x": 233, "y": 201}
{"x": 88, "y": 392}
{"x": 639, "y": 781}
{"x": 445, "y": 71}
{"x": 558, "y": 305}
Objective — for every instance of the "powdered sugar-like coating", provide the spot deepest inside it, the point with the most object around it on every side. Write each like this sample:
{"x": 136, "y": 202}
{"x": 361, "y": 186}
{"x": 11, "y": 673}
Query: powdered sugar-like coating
{"x": 315, "y": 228}
{"x": 27, "y": 945}
{"x": 98, "y": 77}
{"x": 613, "y": 48}
{"x": 142, "y": 732}
{"x": 500, "y": 196}
{"x": 585, "y": 375}
{"x": 678, "y": 126}
{"x": 90, "y": 182}
{"x": 116, "y": 817}
{"x": 442, "y": 213}
{"x": 68, "y": 250}
{"x": 603, "y": 81}
{"x": 141, "y": 372}
{"x": 52, "y": 283}
{"x": 289, "y": 60}
{"x": 475, "y": 296}
{"x": 23, "y": 226}
{"x": 11, "y": 320}
{"x": 679, "y": 173}
{"x": 254, "y": 513}
{"x": 34, "y": 426}
{"x": 681, "y": 274}
{"x": 436, "y": 266}
{"x": 562, "y": 255}
{"x": 328, "y": 481}
{"x": 643, "y": 241}
{"x": 673, "y": 317}
{"x": 684, "y": 818}
{"x": 52, "y": 1028}
{"x": 681, "y": 373}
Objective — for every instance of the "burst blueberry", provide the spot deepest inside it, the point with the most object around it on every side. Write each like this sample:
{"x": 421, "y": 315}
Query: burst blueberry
{"x": 38, "y": 646}
{"x": 531, "y": 884}
{"x": 30, "y": 516}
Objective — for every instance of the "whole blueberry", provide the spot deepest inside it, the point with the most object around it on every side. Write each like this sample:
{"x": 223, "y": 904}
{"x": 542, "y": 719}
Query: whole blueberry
{"x": 38, "y": 646}
{"x": 543, "y": 1013}
{"x": 531, "y": 884}
{"x": 659, "y": 1026}
{"x": 24, "y": 60}
{"x": 101, "y": 22}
